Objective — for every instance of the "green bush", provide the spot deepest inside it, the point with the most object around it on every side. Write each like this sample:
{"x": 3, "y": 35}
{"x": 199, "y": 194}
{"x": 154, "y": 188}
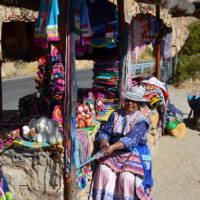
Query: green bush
{"x": 193, "y": 47}
{"x": 189, "y": 60}
{"x": 188, "y": 67}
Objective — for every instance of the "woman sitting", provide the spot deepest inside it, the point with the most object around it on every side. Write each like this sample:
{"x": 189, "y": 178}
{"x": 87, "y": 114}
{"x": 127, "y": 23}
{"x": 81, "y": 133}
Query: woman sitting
{"x": 125, "y": 171}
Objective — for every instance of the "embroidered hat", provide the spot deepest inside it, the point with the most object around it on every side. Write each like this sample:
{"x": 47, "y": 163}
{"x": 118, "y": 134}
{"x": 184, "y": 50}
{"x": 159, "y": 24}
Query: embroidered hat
{"x": 135, "y": 94}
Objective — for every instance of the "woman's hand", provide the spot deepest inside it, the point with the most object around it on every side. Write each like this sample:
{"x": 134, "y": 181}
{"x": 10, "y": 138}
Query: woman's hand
{"x": 117, "y": 146}
{"x": 104, "y": 144}
{"x": 108, "y": 150}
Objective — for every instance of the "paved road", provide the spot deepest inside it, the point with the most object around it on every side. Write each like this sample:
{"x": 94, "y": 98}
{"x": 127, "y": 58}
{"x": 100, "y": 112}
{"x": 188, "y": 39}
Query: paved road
{"x": 14, "y": 89}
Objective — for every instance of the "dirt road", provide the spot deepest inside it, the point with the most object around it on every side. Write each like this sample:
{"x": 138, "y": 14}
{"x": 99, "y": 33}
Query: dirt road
{"x": 176, "y": 162}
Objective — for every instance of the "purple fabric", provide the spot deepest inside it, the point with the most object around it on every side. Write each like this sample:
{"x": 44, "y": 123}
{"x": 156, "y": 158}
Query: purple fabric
{"x": 173, "y": 109}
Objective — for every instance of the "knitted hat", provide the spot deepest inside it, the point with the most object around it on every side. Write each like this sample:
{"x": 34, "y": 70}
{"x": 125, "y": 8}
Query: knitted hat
{"x": 135, "y": 94}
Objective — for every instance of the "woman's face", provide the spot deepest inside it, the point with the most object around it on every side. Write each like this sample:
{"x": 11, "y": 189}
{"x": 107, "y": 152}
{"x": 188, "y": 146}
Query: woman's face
{"x": 131, "y": 106}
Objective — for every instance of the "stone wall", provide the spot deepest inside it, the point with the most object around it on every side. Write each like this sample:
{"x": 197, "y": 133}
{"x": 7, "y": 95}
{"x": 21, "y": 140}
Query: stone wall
{"x": 32, "y": 174}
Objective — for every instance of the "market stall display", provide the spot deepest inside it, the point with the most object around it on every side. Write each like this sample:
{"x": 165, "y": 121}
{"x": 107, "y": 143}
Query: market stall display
{"x": 96, "y": 30}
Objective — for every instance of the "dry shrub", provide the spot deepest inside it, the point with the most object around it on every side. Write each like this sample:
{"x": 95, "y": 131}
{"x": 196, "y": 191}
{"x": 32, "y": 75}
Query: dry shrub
{"x": 30, "y": 67}
{"x": 192, "y": 86}
{"x": 84, "y": 64}
{"x": 146, "y": 55}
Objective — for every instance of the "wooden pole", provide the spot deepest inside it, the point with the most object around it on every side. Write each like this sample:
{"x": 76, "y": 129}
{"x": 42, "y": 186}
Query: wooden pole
{"x": 70, "y": 192}
{"x": 158, "y": 47}
{"x": 1, "y": 101}
{"x": 120, "y": 6}
{"x": 62, "y": 26}
{"x": 62, "y": 33}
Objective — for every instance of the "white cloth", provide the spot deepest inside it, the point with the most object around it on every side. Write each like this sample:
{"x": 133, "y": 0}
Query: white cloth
{"x": 156, "y": 82}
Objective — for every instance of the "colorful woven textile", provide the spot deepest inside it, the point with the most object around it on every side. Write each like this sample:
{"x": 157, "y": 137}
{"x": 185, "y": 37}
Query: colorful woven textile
{"x": 70, "y": 98}
{"x": 22, "y": 142}
{"x": 129, "y": 162}
{"x": 106, "y": 81}
{"x": 82, "y": 154}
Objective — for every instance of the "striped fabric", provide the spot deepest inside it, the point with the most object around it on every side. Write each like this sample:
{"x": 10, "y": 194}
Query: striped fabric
{"x": 46, "y": 28}
{"x": 52, "y": 32}
{"x": 129, "y": 162}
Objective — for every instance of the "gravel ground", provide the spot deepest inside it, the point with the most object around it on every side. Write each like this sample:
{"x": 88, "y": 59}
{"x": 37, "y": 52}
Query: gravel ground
{"x": 176, "y": 162}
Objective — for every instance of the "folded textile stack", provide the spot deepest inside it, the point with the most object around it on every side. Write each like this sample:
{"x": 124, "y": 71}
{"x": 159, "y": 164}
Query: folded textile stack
{"x": 106, "y": 82}
{"x": 82, "y": 154}
{"x": 51, "y": 82}
{"x": 154, "y": 90}
{"x": 156, "y": 93}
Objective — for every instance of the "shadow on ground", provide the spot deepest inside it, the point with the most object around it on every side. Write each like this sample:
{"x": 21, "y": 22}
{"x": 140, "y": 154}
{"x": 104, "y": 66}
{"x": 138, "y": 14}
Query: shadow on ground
{"x": 7, "y": 113}
{"x": 190, "y": 124}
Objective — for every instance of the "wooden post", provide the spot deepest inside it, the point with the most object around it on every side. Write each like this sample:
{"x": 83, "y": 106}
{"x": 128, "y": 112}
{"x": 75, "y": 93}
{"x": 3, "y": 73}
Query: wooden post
{"x": 120, "y": 6}
{"x": 1, "y": 101}
{"x": 62, "y": 33}
{"x": 69, "y": 192}
{"x": 158, "y": 47}
{"x": 62, "y": 26}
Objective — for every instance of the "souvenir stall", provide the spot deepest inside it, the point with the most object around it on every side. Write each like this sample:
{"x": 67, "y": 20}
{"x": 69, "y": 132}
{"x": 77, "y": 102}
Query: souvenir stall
{"x": 61, "y": 116}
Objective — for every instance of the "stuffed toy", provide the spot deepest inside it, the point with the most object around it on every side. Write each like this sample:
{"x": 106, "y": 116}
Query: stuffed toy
{"x": 29, "y": 131}
{"x": 29, "y": 134}
{"x": 5, "y": 193}
{"x": 41, "y": 129}
{"x": 32, "y": 123}
{"x": 53, "y": 131}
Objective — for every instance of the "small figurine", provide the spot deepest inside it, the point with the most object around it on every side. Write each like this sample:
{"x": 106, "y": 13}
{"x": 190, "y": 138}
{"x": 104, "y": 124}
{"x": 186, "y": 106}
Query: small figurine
{"x": 80, "y": 109}
{"x": 100, "y": 107}
{"x": 89, "y": 101}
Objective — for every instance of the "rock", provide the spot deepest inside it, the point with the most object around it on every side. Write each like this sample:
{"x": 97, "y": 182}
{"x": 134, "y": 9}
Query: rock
{"x": 37, "y": 177}
{"x": 48, "y": 195}
{"x": 178, "y": 132}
